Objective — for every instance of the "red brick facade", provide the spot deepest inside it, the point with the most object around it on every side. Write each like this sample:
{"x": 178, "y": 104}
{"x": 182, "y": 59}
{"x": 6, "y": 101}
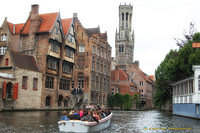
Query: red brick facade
{"x": 92, "y": 66}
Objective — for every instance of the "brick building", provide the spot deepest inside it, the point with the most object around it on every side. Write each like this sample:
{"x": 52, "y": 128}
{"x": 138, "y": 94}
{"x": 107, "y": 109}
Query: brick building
{"x": 50, "y": 40}
{"x": 122, "y": 83}
{"x": 93, "y": 62}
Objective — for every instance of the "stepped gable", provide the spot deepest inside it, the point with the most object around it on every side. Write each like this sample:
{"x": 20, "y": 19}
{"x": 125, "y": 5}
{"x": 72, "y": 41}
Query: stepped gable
{"x": 24, "y": 61}
{"x": 92, "y": 30}
{"x": 47, "y": 22}
{"x": 66, "y": 23}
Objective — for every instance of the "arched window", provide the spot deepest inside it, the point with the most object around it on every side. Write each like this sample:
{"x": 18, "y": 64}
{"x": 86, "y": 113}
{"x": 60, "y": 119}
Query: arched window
{"x": 121, "y": 48}
{"x": 104, "y": 100}
{"x": 122, "y": 16}
{"x": 65, "y": 103}
{"x": 60, "y": 98}
{"x": 127, "y": 16}
{"x": 48, "y": 101}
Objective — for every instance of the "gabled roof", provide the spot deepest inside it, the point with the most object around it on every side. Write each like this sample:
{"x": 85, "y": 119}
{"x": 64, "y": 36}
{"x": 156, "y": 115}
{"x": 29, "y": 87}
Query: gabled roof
{"x": 47, "y": 22}
{"x": 122, "y": 76}
{"x": 66, "y": 24}
{"x": 17, "y": 27}
{"x": 144, "y": 75}
{"x": 24, "y": 61}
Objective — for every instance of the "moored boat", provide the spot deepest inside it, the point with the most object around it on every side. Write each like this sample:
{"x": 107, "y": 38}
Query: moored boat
{"x": 84, "y": 126}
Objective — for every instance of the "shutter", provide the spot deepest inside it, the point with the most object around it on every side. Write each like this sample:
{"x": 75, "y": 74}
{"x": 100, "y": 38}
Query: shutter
{"x": 4, "y": 90}
{"x": 15, "y": 91}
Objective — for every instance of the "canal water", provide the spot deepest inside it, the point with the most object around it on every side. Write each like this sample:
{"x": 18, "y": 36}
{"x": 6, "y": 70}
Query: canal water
{"x": 122, "y": 122}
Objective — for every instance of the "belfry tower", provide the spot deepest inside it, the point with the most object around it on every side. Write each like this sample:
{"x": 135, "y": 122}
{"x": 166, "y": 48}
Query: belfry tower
{"x": 124, "y": 38}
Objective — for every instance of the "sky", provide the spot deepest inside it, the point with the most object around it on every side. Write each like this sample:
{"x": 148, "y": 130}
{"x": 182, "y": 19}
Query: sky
{"x": 155, "y": 22}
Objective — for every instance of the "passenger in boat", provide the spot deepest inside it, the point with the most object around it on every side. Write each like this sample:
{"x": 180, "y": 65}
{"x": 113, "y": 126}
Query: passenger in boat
{"x": 99, "y": 113}
{"x": 64, "y": 116}
{"x": 108, "y": 111}
{"x": 81, "y": 112}
{"x": 95, "y": 115}
{"x": 75, "y": 116}
{"x": 71, "y": 114}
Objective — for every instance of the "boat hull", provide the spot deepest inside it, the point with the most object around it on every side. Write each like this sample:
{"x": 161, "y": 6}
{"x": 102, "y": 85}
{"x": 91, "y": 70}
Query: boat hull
{"x": 84, "y": 126}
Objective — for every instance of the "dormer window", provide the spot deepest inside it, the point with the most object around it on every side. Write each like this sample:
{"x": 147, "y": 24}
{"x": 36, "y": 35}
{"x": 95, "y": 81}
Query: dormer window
{"x": 70, "y": 38}
{"x": 2, "y": 50}
{"x": 3, "y": 37}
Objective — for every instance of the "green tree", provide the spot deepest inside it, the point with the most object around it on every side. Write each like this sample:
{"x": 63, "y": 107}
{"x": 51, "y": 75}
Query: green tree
{"x": 137, "y": 100}
{"x": 127, "y": 101}
{"x": 177, "y": 65}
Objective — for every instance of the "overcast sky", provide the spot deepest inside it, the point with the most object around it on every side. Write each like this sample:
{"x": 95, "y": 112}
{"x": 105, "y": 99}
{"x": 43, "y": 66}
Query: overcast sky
{"x": 155, "y": 22}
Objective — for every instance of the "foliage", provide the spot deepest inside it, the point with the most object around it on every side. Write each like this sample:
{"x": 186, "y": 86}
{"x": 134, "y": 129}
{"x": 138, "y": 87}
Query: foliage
{"x": 127, "y": 101}
{"x": 177, "y": 65}
{"x": 119, "y": 100}
{"x": 137, "y": 100}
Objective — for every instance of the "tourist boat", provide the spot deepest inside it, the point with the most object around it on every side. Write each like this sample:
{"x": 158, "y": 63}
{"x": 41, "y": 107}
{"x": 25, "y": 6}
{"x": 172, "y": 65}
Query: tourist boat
{"x": 84, "y": 126}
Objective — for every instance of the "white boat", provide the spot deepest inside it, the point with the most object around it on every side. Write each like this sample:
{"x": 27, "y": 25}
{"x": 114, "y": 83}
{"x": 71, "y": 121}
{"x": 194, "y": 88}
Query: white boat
{"x": 84, "y": 126}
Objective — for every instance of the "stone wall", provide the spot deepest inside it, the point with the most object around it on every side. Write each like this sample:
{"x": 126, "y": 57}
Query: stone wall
{"x": 28, "y": 98}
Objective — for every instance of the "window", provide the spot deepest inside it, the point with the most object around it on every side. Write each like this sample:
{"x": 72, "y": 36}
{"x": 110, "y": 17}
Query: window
{"x": 105, "y": 55}
{"x": 55, "y": 48}
{"x": 101, "y": 83}
{"x": 2, "y": 50}
{"x": 81, "y": 48}
{"x": 24, "y": 82}
{"x": 69, "y": 52}
{"x": 97, "y": 82}
{"x": 101, "y": 67}
{"x": 97, "y": 65}
{"x": 48, "y": 101}
{"x": 122, "y": 16}
{"x": 113, "y": 91}
{"x": 93, "y": 63}
{"x": 127, "y": 16}
{"x": 35, "y": 84}
{"x": 93, "y": 81}
{"x": 6, "y": 62}
{"x": 121, "y": 48}
{"x": 105, "y": 66}
{"x": 52, "y": 63}
{"x": 98, "y": 51}
{"x": 141, "y": 83}
{"x": 93, "y": 49}
{"x": 3, "y": 37}
{"x": 132, "y": 74}
{"x": 67, "y": 68}
{"x": 80, "y": 81}
{"x": 49, "y": 82}
{"x": 64, "y": 84}
{"x": 71, "y": 38}
{"x": 101, "y": 53}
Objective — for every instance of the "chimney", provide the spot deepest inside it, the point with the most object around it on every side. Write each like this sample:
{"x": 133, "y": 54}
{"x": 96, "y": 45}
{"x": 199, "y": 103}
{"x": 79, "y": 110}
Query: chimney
{"x": 136, "y": 63}
{"x": 34, "y": 19}
{"x": 74, "y": 15}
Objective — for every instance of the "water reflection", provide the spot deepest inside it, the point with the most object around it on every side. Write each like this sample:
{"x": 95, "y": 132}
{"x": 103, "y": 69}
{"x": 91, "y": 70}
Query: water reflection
{"x": 122, "y": 122}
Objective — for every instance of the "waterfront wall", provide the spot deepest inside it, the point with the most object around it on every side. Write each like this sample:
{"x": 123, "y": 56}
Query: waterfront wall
{"x": 188, "y": 110}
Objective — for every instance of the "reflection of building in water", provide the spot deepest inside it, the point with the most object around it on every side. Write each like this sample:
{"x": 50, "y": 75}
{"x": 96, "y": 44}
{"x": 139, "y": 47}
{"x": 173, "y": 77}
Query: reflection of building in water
{"x": 186, "y": 95}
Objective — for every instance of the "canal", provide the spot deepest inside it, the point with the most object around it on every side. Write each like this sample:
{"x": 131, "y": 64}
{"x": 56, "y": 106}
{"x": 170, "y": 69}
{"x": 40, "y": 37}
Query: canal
{"x": 122, "y": 122}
